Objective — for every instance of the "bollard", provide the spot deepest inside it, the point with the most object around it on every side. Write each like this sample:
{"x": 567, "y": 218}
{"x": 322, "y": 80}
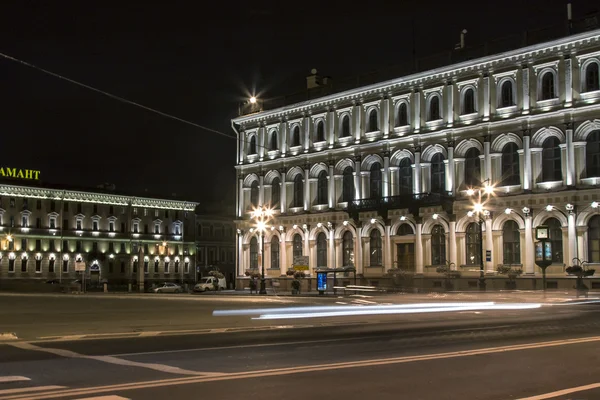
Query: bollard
{"x": 105, "y": 287}
{"x": 129, "y": 287}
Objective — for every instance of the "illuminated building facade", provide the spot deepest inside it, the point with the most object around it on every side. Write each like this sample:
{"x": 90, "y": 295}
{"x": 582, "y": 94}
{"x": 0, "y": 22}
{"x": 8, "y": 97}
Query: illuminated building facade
{"x": 378, "y": 177}
{"x": 46, "y": 231}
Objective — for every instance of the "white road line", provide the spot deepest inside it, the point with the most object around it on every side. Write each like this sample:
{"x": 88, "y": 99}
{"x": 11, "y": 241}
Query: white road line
{"x": 30, "y": 389}
{"x": 113, "y": 360}
{"x": 563, "y": 392}
{"x": 11, "y": 379}
{"x": 104, "y": 398}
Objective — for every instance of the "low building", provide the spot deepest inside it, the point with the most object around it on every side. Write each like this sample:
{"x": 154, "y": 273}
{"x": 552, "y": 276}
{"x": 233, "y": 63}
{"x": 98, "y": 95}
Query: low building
{"x": 215, "y": 245}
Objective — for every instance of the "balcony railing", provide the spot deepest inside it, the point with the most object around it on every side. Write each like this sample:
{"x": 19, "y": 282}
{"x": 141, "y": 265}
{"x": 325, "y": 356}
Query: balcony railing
{"x": 412, "y": 202}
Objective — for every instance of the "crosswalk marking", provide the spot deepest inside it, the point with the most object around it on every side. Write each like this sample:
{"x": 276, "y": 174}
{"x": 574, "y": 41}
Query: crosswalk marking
{"x": 11, "y": 379}
{"x": 30, "y": 389}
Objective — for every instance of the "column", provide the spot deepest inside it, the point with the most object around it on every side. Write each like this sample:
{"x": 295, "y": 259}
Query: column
{"x": 527, "y": 173}
{"x": 307, "y": 250}
{"x": 450, "y": 171}
{"x": 418, "y": 245}
{"x": 331, "y": 122}
{"x": 261, "y": 188}
{"x": 387, "y": 261}
{"x": 416, "y": 107}
{"x": 452, "y": 242}
{"x": 357, "y": 122}
{"x": 357, "y": 179}
{"x": 568, "y": 81}
{"x": 571, "y": 176}
{"x": 486, "y": 97}
{"x": 240, "y": 256}
{"x": 525, "y": 79}
{"x": 242, "y": 146}
{"x": 417, "y": 172}
{"x": 385, "y": 117}
{"x": 487, "y": 159}
{"x": 332, "y": 262}
{"x": 283, "y": 191}
{"x": 331, "y": 185}
{"x": 339, "y": 256}
{"x": 450, "y": 103}
{"x": 529, "y": 256}
{"x": 386, "y": 174}
{"x": 572, "y": 236}
{"x": 358, "y": 258}
{"x": 307, "y": 124}
{"x": 260, "y": 142}
{"x": 283, "y": 137}
{"x": 240, "y": 208}
{"x": 306, "y": 188}
{"x": 489, "y": 245}
{"x": 282, "y": 254}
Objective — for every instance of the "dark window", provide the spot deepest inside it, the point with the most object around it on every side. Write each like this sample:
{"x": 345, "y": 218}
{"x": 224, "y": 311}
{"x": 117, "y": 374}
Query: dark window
{"x": 111, "y": 210}
{"x": 52, "y": 223}
{"x": 594, "y": 239}
{"x": 11, "y": 265}
{"x": 297, "y": 245}
{"x": 298, "y": 191}
{"x": 296, "y": 136}
{"x": 122, "y": 226}
{"x": 65, "y": 206}
{"x": 252, "y": 149}
{"x": 592, "y": 81}
{"x": 39, "y": 205}
{"x": 275, "y": 192}
{"x": 473, "y": 244}
{"x": 375, "y": 181}
{"x": 24, "y": 244}
{"x": 122, "y": 251}
{"x": 405, "y": 177}
{"x": 511, "y": 239}
{"x": 95, "y": 247}
{"x": 254, "y": 193}
{"x": 78, "y": 208}
{"x": 322, "y": 250}
{"x": 51, "y": 245}
{"x": 438, "y": 245}
{"x": 345, "y": 126}
{"x": 472, "y": 167}
{"x": 51, "y": 265}
{"x": 38, "y": 245}
{"x": 38, "y": 223}
{"x": 78, "y": 225}
{"x": 322, "y": 188}
{"x": 274, "y": 252}
{"x": 65, "y": 246}
{"x": 95, "y": 209}
{"x": 373, "y": 123}
{"x": 402, "y": 115}
{"x": 12, "y": 202}
{"x": 122, "y": 267}
{"x": 348, "y": 185}
{"x": 65, "y": 266}
{"x": 469, "y": 101}
{"x": 438, "y": 173}
{"x": 320, "y": 137}
{"x": 146, "y": 267}
{"x": 375, "y": 256}
{"x": 556, "y": 238}
{"x": 156, "y": 265}
{"x": 547, "y": 86}
{"x": 52, "y": 205}
{"x": 176, "y": 266}
{"x": 551, "y": 160}
{"x": 253, "y": 253}
{"x": 348, "y": 249}
{"x": 78, "y": 246}
{"x": 273, "y": 142}
{"x": 38, "y": 265}
{"x": 510, "y": 165}
{"x": 592, "y": 154}
{"x": 434, "y": 108}
{"x": 404, "y": 230}
{"x": 506, "y": 94}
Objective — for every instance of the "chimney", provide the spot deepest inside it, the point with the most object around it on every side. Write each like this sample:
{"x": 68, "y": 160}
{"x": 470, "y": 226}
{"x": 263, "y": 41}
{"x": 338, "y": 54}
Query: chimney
{"x": 315, "y": 80}
{"x": 461, "y": 45}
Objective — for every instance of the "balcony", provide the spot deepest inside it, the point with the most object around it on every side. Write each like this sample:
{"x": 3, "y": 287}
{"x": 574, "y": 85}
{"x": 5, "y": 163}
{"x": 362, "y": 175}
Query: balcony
{"x": 412, "y": 202}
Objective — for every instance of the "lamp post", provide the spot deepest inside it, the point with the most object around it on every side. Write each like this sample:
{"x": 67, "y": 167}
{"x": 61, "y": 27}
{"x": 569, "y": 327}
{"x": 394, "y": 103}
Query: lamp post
{"x": 261, "y": 216}
{"x": 478, "y": 209}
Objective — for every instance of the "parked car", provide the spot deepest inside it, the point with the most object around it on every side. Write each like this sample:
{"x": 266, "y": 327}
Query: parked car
{"x": 168, "y": 287}
{"x": 210, "y": 283}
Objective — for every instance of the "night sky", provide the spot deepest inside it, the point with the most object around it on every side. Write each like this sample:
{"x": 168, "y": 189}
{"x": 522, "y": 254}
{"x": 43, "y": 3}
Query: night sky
{"x": 198, "y": 63}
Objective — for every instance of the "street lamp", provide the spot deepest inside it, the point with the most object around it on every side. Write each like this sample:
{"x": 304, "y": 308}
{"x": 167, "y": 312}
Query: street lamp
{"x": 252, "y": 100}
{"x": 478, "y": 209}
{"x": 261, "y": 216}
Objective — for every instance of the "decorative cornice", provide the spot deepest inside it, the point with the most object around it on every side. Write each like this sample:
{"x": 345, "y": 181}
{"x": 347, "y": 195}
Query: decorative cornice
{"x": 91, "y": 197}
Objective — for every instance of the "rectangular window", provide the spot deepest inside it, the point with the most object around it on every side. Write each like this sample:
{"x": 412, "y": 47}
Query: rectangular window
{"x": 156, "y": 213}
{"x": 11, "y": 245}
{"x": 12, "y": 221}
{"x": 145, "y": 248}
{"x": 12, "y": 202}
{"x": 122, "y": 267}
{"x": 186, "y": 267}
{"x": 95, "y": 225}
{"x": 65, "y": 267}
{"x": 38, "y": 223}
{"x": 78, "y": 208}
{"x": 11, "y": 265}
{"x": 111, "y": 226}
{"x": 24, "y": 264}
{"x": 111, "y": 247}
{"x": 78, "y": 246}
{"x": 23, "y": 244}
{"x": 134, "y": 210}
{"x": 95, "y": 247}
{"x": 145, "y": 228}
{"x": 25, "y": 204}
{"x": 122, "y": 226}
{"x": 24, "y": 221}
{"x": 52, "y": 223}
{"x": 51, "y": 265}
{"x": 39, "y": 205}
{"x": 156, "y": 263}
{"x": 38, "y": 245}
{"x": 95, "y": 208}
{"x": 65, "y": 206}
{"x": 156, "y": 228}
{"x": 145, "y": 212}
{"x": 122, "y": 248}
{"x": 38, "y": 265}
{"x": 136, "y": 227}
{"x": 79, "y": 225}
{"x": 52, "y": 205}
{"x": 51, "y": 245}
{"x": 176, "y": 214}
{"x": 65, "y": 224}
{"x": 166, "y": 213}
{"x": 65, "y": 246}
{"x": 134, "y": 248}
{"x": 111, "y": 210}
{"x": 146, "y": 268}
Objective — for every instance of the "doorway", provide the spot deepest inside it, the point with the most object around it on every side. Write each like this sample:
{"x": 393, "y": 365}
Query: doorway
{"x": 405, "y": 256}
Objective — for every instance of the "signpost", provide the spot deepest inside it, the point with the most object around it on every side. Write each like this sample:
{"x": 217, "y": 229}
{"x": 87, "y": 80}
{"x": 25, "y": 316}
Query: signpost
{"x": 300, "y": 263}
{"x": 543, "y": 251}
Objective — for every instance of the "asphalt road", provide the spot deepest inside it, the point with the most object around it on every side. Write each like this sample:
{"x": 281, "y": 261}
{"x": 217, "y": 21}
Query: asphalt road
{"x": 497, "y": 354}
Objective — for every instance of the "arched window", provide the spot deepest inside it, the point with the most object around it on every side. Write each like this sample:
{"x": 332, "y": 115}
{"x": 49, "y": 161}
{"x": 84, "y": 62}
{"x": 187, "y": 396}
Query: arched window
{"x": 405, "y": 177}
{"x": 373, "y": 123}
{"x": 254, "y": 194}
{"x": 438, "y": 245}
{"x": 348, "y": 185}
{"x": 594, "y": 239}
{"x": 298, "y": 191}
{"x": 438, "y": 174}
{"x": 592, "y": 80}
{"x": 347, "y": 249}
{"x": 551, "y": 162}
{"x": 275, "y": 252}
{"x": 375, "y": 181}
{"x": 375, "y": 248}
{"x": 511, "y": 243}
{"x": 592, "y": 154}
{"x": 275, "y": 192}
{"x": 434, "y": 108}
{"x": 253, "y": 253}
{"x": 402, "y": 115}
{"x": 472, "y": 167}
{"x": 252, "y": 149}
{"x": 322, "y": 188}
{"x": 404, "y": 230}
{"x": 345, "y": 126}
{"x": 469, "y": 101}
{"x": 548, "y": 91}
{"x": 556, "y": 238}
{"x": 297, "y": 245}
{"x": 506, "y": 94}
{"x": 321, "y": 250}
{"x": 473, "y": 244}
{"x": 296, "y": 136}
{"x": 273, "y": 141}
{"x": 320, "y": 136}
{"x": 510, "y": 165}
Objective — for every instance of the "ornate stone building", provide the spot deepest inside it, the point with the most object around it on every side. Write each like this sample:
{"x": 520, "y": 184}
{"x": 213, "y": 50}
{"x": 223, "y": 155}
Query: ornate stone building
{"x": 384, "y": 176}
{"x": 45, "y": 231}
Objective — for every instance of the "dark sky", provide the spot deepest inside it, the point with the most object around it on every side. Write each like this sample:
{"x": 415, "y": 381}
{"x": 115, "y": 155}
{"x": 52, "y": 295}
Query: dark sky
{"x": 198, "y": 63}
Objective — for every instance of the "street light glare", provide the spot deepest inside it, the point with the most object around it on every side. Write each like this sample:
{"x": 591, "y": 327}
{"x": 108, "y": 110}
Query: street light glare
{"x": 470, "y": 192}
{"x": 252, "y": 99}
{"x": 594, "y": 204}
{"x": 507, "y": 211}
{"x": 489, "y": 189}
{"x": 478, "y": 207}
{"x": 260, "y": 225}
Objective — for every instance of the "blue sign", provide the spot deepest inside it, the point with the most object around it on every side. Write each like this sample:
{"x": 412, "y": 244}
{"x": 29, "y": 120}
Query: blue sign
{"x": 94, "y": 268}
{"x": 321, "y": 281}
